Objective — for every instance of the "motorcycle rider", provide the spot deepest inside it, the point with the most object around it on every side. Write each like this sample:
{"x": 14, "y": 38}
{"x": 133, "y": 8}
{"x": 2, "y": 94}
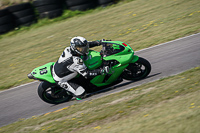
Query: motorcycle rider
{"x": 70, "y": 64}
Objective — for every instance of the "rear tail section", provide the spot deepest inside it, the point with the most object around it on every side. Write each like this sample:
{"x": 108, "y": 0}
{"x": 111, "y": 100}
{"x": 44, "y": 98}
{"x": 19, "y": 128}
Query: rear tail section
{"x": 42, "y": 73}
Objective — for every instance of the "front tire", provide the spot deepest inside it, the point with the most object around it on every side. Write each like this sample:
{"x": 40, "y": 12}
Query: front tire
{"x": 52, "y": 93}
{"x": 138, "y": 70}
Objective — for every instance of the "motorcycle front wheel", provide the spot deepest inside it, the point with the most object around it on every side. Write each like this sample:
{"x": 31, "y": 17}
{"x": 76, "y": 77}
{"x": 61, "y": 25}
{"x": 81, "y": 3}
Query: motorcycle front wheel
{"x": 138, "y": 70}
{"x": 52, "y": 93}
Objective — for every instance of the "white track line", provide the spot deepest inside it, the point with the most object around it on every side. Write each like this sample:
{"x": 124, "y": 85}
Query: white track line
{"x": 18, "y": 86}
{"x": 168, "y": 42}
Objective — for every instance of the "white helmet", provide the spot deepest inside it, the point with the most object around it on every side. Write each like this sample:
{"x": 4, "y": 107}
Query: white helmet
{"x": 79, "y": 45}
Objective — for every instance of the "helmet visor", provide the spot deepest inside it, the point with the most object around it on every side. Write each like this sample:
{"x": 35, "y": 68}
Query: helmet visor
{"x": 83, "y": 49}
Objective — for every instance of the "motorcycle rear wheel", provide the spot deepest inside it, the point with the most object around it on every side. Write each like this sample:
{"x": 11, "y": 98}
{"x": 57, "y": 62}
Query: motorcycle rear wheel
{"x": 53, "y": 94}
{"x": 138, "y": 70}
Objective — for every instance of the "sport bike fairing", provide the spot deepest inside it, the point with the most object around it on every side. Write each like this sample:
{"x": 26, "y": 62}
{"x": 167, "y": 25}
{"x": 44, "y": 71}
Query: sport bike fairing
{"x": 115, "y": 54}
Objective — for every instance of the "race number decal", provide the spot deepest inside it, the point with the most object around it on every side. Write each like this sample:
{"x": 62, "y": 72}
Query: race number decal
{"x": 43, "y": 71}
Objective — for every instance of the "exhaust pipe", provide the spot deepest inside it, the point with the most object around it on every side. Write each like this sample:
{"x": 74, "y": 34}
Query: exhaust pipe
{"x": 30, "y": 76}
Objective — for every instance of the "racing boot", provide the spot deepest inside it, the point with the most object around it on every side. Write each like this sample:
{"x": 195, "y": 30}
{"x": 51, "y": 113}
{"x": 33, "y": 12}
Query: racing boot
{"x": 75, "y": 89}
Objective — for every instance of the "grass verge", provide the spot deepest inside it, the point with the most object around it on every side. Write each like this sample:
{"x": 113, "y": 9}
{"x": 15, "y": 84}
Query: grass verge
{"x": 140, "y": 23}
{"x": 168, "y": 105}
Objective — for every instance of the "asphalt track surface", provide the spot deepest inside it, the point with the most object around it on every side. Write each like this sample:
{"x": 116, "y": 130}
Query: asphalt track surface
{"x": 166, "y": 59}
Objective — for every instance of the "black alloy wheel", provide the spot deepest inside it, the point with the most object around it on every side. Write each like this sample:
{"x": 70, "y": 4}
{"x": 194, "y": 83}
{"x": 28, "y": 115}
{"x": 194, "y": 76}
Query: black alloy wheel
{"x": 138, "y": 70}
{"x": 53, "y": 94}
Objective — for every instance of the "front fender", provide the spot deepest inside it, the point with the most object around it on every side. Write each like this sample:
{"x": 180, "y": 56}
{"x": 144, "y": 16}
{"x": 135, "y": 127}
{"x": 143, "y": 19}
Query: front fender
{"x": 135, "y": 59}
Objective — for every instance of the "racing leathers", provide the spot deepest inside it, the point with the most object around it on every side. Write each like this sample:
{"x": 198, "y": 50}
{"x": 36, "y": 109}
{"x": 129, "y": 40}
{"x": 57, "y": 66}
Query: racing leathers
{"x": 68, "y": 66}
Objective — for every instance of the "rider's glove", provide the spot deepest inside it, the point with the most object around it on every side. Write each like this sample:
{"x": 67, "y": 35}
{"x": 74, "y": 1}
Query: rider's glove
{"x": 100, "y": 41}
{"x": 104, "y": 40}
{"x": 105, "y": 70}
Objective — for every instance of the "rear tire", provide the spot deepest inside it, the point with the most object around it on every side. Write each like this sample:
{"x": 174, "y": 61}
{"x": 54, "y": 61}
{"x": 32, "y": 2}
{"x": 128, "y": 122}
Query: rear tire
{"x": 138, "y": 70}
{"x": 53, "y": 94}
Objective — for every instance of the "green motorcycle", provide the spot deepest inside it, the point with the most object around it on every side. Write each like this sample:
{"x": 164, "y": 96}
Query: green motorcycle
{"x": 119, "y": 56}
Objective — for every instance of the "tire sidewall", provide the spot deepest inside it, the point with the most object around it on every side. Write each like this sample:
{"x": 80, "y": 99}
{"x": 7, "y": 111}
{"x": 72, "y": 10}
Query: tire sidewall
{"x": 70, "y": 3}
{"x": 103, "y": 2}
{"x": 48, "y": 8}
{"x": 6, "y": 19}
{"x": 147, "y": 67}
{"x": 23, "y": 13}
{"x": 6, "y": 27}
{"x": 4, "y": 12}
{"x": 37, "y": 3}
{"x": 42, "y": 89}
{"x": 25, "y": 20}
{"x": 19, "y": 7}
{"x": 51, "y": 14}
{"x": 83, "y": 7}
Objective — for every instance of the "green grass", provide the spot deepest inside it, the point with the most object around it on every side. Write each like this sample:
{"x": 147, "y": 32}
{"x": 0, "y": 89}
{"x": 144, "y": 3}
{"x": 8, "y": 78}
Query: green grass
{"x": 169, "y": 105}
{"x": 140, "y": 23}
